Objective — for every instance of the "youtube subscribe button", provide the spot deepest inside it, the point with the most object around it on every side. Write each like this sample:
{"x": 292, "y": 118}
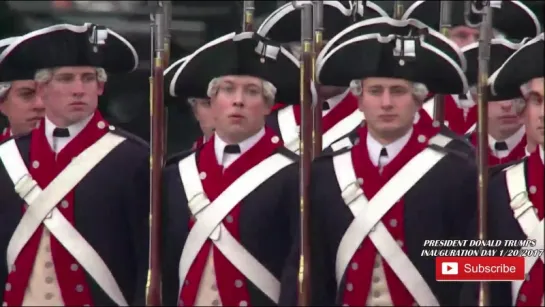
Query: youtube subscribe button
{"x": 479, "y": 268}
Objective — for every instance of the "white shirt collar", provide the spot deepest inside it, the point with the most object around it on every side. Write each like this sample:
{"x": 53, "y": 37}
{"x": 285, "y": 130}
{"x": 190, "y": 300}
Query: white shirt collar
{"x": 57, "y": 144}
{"x": 393, "y": 149}
{"x": 511, "y": 142}
{"x": 228, "y": 159}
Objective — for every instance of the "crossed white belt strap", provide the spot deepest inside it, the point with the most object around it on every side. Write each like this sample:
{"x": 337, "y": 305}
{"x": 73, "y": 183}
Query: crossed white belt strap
{"x": 289, "y": 129}
{"x": 209, "y": 216}
{"x": 523, "y": 211}
{"x": 42, "y": 209}
{"x": 368, "y": 214}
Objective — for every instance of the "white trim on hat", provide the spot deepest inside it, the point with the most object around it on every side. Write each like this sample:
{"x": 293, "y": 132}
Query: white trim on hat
{"x": 60, "y": 27}
{"x": 410, "y": 9}
{"x": 8, "y": 41}
{"x": 129, "y": 45}
{"x": 492, "y": 79}
{"x": 287, "y": 8}
{"x": 210, "y": 44}
{"x": 371, "y": 5}
{"x": 388, "y": 39}
{"x": 176, "y": 64}
{"x": 531, "y": 14}
{"x": 395, "y": 23}
{"x": 496, "y": 41}
{"x": 519, "y": 4}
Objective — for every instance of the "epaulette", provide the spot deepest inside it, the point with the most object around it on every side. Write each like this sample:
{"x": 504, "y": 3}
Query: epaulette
{"x": 496, "y": 169}
{"x": 288, "y": 153}
{"x": 329, "y": 154}
{"x": 449, "y": 149}
{"x": 128, "y": 136}
{"x": 175, "y": 158}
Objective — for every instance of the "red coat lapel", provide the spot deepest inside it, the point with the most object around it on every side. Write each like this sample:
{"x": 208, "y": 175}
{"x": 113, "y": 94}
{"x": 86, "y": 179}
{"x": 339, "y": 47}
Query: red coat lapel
{"x": 533, "y": 288}
{"x": 215, "y": 180}
{"x": 6, "y": 133}
{"x": 44, "y": 167}
{"x": 393, "y": 219}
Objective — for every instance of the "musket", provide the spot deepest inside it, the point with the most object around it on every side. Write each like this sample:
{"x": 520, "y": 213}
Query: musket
{"x": 318, "y": 43}
{"x": 159, "y": 19}
{"x": 248, "y": 16}
{"x": 485, "y": 35}
{"x": 305, "y": 149}
{"x": 398, "y": 9}
{"x": 444, "y": 25}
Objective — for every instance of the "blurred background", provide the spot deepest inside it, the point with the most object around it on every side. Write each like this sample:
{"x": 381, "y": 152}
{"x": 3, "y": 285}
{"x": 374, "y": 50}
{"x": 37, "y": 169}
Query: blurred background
{"x": 126, "y": 101}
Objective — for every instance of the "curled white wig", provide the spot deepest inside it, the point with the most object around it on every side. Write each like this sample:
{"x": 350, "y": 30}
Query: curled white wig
{"x": 45, "y": 75}
{"x": 420, "y": 91}
{"x": 4, "y": 89}
{"x": 269, "y": 90}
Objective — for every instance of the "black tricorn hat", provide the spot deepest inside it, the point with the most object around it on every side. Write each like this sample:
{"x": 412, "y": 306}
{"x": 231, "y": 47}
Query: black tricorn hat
{"x": 71, "y": 45}
{"x": 284, "y": 24}
{"x": 500, "y": 50}
{"x": 512, "y": 18}
{"x": 522, "y": 66}
{"x": 245, "y": 54}
{"x": 393, "y": 56}
{"x": 7, "y": 73}
{"x": 386, "y": 26}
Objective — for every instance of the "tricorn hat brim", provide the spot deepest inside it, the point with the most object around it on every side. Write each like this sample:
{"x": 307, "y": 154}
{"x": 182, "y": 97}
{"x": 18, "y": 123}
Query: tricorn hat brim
{"x": 374, "y": 55}
{"x": 522, "y": 66}
{"x": 71, "y": 45}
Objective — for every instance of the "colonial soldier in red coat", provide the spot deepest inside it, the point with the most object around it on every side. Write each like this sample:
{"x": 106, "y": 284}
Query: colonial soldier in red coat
{"x": 511, "y": 19}
{"x": 506, "y": 133}
{"x": 18, "y": 100}
{"x": 230, "y": 208}
{"x": 399, "y": 185}
{"x": 200, "y": 105}
{"x": 340, "y": 114}
{"x": 516, "y": 194}
{"x": 75, "y": 200}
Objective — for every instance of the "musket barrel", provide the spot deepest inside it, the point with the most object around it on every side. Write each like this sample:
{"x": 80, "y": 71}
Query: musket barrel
{"x": 305, "y": 146}
{"x": 318, "y": 26}
{"x": 248, "y": 16}
{"x": 444, "y": 25}
{"x": 157, "y": 141}
{"x": 398, "y": 9}
{"x": 482, "y": 130}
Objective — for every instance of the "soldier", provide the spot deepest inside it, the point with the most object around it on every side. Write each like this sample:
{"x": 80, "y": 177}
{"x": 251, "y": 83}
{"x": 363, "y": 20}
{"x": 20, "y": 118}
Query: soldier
{"x": 386, "y": 26}
{"x": 506, "y": 133}
{"x": 340, "y": 114}
{"x": 199, "y": 106}
{"x": 75, "y": 191}
{"x": 230, "y": 208}
{"x": 519, "y": 188}
{"x": 512, "y": 19}
{"x": 368, "y": 208}
{"x": 18, "y": 101}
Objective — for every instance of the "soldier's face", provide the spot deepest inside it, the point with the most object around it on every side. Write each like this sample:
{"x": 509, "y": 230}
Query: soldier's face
{"x": 72, "y": 94}
{"x": 239, "y": 107}
{"x": 388, "y": 105}
{"x": 533, "y": 113}
{"x": 502, "y": 117}
{"x": 203, "y": 114}
{"x": 22, "y": 107}
{"x": 463, "y": 35}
